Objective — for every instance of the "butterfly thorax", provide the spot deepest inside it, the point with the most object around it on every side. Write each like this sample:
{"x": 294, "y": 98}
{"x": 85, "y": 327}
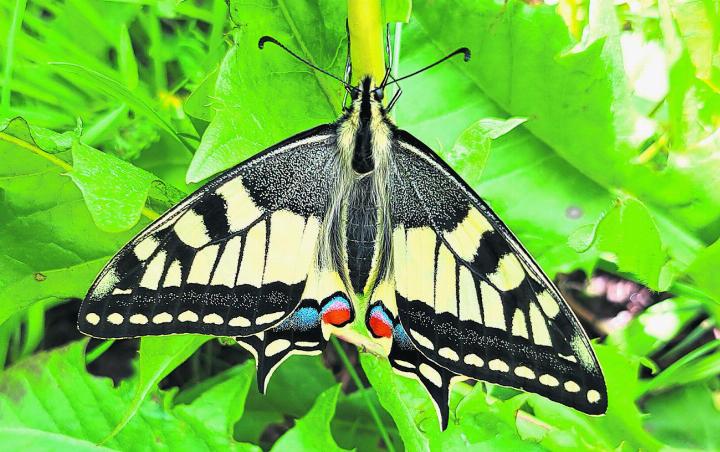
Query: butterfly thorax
{"x": 364, "y": 146}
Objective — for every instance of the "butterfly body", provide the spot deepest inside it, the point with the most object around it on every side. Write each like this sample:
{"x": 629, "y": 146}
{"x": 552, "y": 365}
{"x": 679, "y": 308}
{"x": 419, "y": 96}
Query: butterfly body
{"x": 355, "y": 218}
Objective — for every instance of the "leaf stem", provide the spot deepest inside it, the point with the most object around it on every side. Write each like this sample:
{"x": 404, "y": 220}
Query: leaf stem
{"x": 361, "y": 387}
{"x": 146, "y": 211}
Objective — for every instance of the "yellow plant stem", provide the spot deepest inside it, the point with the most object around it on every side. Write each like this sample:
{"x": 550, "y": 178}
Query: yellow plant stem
{"x": 365, "y": 23}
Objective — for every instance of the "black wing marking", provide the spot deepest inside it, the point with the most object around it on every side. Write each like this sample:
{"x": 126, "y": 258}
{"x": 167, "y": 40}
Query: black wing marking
{"x": 300, "y": 333}
{"x": 471, "y": 298}
{"x": 230, "y": 260}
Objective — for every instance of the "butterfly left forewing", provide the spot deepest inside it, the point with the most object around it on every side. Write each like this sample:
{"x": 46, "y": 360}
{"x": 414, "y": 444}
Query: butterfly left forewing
{"x": 470, "y": 297}
{"x": 231, "y": 260}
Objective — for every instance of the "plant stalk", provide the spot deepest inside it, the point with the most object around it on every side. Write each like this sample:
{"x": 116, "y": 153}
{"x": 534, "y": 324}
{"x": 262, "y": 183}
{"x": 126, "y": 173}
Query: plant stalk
{"x": 365, "y": 25}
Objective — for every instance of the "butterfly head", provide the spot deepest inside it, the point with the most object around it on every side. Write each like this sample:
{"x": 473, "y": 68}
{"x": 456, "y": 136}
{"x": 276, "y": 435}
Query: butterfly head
{"x": 367, "y": 89}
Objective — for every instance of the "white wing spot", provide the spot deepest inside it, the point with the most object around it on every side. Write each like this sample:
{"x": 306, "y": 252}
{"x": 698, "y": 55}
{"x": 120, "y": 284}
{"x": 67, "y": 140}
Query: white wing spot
{"x": 469, "y": 304}
{"x": 548, "y": 380}
{"x": 570, "y": 358}
{"x": 431, "y": 374}
{"x": 571, "y": 386}
{"x": 119, "y": 291}
{"x": 492, "y": 307}
{"x": 203, "y": 264}
{"x": 541, "y": 335}
{"x": 509, "y": 273}
{"x": 525, "y": 372}
{"x": 138, "y": 319}
{"x": 213, "y": 319}
{"x": 115, "y": 318}
{"x": 307, "y": 344}
{"x": 548, "y": 304}
{"x": 241, "y": 210}
{"x": 154, "y": 271}
{"x": 422, "y": 340}
{"x": 226, "y": 268}
{"x": 277, "y": 346}
{"x": 448, "y": 353}
{"x": 145, "y": 248}
{"x": 269, "y": 318}
{"x": 239, "y": 321}
{"x": 92, "y": 318}
{"x": 173, "y": 278}
{"x": 474, "y": 360}
{"x": 593, "y": 396}
{"x": 519, "y": 324}
{"x": 400, "y": 362}
{"x": 190, "y": 228}
{"x": 498, "y": 365}
{"x": 465, "y": 238}
{"x": 163, "y": 317}
{"x": 188, "y": 316}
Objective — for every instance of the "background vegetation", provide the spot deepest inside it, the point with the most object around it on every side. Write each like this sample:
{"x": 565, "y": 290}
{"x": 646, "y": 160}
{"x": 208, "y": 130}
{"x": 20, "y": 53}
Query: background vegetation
{"x": 590, "y": 127}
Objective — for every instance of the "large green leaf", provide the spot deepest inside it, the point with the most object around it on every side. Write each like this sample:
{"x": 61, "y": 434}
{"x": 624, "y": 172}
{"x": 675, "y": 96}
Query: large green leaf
{"x": 474, "y": 423}
{"x": 158, "y": 357}
{"x": 115, "y": 191}
{"x": 264, "y": 96}
{"x": 576, "y": 97}
{"x": 51, "y": 395}
{"x": 685, "y": 417}
{"x": 621, "y": 425}
{"x": 312, "y": 431}
{"x": 52, "y": 249}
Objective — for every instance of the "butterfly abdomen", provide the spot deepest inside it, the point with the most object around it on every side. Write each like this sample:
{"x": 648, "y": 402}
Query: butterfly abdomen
{"x": 361, "y": 232}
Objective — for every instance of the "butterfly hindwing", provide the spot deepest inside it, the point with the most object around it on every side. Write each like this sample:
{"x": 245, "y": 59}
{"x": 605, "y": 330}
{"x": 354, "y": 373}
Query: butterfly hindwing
{"x": 230, "y": 260}
{"x": 470, "y": 297}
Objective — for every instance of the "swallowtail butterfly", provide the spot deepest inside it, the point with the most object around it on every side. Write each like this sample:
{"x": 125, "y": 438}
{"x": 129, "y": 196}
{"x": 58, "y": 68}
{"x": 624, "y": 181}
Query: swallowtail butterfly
{"x": 275, "y": 251}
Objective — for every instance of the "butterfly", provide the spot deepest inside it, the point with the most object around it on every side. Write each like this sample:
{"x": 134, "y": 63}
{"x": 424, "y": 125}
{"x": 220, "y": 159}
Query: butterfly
{"x": 353, "y": 221}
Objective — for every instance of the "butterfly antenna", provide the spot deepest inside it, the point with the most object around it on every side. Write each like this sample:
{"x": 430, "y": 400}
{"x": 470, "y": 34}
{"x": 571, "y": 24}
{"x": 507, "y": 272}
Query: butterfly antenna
{"x": 464, "y": 51}
{"x": 264, "y": 39}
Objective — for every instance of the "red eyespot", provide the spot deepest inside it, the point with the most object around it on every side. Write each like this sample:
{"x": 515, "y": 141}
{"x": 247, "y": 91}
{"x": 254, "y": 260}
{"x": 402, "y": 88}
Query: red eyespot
{"x": 337, "y": 311}
{"x": 379, "y": 327}
{"x": 336, "y": 316}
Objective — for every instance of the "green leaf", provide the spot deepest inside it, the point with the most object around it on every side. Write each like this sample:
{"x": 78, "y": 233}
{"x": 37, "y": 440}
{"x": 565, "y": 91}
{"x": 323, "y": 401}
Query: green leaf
{"x": 620, "y": 426}
{"x": 703, "y": 271}
{"x": 312, "y": 431}
{"x": 264, "y": 96}
{"x": 119, "y": 92}
{"x": 402, "y": 398}
{"x": 628, "y": 232}
{"x": 472, "y": 148}
{"x": 126, "y": 59}
{"x": 40, "y": 209}
{"x": 263, "y": 410}
{"x": 685, "y": 418}
{"x": 52, "y": 397}
{"x": 159, "y": 356}
{"x": 474, "y": 423}
{"x": 697, "y": 22}
{"x": 218, "y": 408}
{"x": 577, "y": 101}
{"x": 114, "y": 190}
{"x": 28, "y": 439}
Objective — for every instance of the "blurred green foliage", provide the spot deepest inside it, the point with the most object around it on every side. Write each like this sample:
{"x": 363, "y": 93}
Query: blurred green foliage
{"x": 591, "y": 128}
